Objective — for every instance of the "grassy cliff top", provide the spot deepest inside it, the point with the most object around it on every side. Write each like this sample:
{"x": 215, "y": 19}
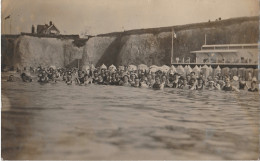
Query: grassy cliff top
{"x": 211, "y": 24}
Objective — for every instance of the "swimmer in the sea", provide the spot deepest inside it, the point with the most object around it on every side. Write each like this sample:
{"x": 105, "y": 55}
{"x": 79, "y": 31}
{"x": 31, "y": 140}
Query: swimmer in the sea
{"x": 69, "y": 78}
{"x": 253, "y": 87}
{"x": 200, "y": 85}
{"x": 137, "y": 82}
{"x": 125, "y": 81}
{"x": 26, "y": 78}
{"x": 212, "y": 86}
{"x": 193, "y": 84}
{"x": 184, "y": 85}
{"x": 157, "y": 85}
{"x": 228, "y": 86}
{"x": 11, "y": 78}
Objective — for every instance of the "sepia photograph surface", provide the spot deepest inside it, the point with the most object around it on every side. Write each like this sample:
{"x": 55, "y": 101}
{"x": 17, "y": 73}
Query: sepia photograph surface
{"x": 130, "y": 79}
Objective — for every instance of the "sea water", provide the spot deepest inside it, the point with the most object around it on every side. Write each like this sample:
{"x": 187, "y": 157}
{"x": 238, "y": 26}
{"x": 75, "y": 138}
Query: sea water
{"x": 59, "y": 121}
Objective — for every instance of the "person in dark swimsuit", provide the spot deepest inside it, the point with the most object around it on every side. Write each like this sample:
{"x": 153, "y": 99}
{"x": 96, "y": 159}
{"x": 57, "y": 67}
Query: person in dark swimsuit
{"x": 95, "y": 78}
{"x": 26, "y": 78}
{"x": 188, "y": 78}
{"x": 43, "y": 77}
{"x": 193, "y": 84}
{"x": 242, "y": 84}
{"x": 69, "y": 79}
{"x": 114, "y": 80}
{"x": 200, "y": 85}
{"x": 125, "y": 81}
{"x": 165, "y": 81}
{"x": 81, "y": 78}
{"x": 184, "y": 85}
{"x": 108, "y": 80}
{"x": 175, "y": 83}
{"x": 157, "y": 85}
{"x": 253, "y": 87}
{"x": 11, "y": 78}
{"x": 100, "y": 80}
{"x": 228, "y": 86}
{"x": 137, "y": 82}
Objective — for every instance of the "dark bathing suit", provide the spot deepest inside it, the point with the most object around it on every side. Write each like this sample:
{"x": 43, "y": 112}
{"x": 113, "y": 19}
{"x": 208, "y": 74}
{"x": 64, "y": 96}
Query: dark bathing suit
{"x": 199, "y": 88}
{"x": 242, "y": 85}
{"x": 253, "y": 90}
{"x": 174, "y": 85}
{"x": 81, "y": 80}
{"x": 156, "y": 86}
{"x": 100, "y": 83}
{"x": 225, "y": 88}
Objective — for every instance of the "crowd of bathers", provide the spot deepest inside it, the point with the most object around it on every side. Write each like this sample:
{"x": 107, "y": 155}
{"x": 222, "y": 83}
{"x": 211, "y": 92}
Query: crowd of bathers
{"x": 140, "y": 79}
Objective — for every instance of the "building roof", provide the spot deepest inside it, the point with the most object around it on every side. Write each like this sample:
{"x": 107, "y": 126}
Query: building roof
{"x": 231, "y": 45}
{"x": 41, "y": 28}
{"x": 53, "y": 27}
{"x": 214, "y": 51}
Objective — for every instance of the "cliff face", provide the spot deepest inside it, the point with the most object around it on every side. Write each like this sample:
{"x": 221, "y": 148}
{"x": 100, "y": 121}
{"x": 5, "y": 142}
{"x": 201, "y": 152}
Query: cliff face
{"x": 144, "y": 46}
{"x": 96, "y": 48}
{"x": 153, "y": 46}
{"x": 26, "y": 51}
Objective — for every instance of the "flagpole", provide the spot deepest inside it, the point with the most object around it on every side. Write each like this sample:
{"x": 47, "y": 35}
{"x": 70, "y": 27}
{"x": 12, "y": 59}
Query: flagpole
{"x": 205, "y": 39}
{"x": 10, "y": 27}
{"x": 172, "y": 47}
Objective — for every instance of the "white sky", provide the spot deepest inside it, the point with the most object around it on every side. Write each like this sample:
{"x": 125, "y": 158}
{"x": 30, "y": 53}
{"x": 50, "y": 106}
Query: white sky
{"x": 103, "y": 16}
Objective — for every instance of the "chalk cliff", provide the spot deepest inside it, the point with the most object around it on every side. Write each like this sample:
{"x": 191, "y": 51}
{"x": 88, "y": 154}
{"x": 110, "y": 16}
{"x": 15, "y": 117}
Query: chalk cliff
{"x": 143, "y": 46}
{"x": 153, "y": 46}
{"x": 25, "y": 51}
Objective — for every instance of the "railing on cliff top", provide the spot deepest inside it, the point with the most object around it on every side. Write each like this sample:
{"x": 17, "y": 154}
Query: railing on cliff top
{"x": 221, "y": 65}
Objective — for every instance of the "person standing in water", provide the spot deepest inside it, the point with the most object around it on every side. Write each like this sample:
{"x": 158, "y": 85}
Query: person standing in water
{"x": 253, "y": 87}
{"x": 193, "y": 84}
{"x": 157, "y": 85}
{"x": 175, "y": 83}
{"x": 69, "y": 78}
{"x": 125, "y": 81}
{"x": 137, "y": 82}
{"x": 213, "y": 86}
{"x": 200, "y": 85}
{"x": 11, "y": 78}
{"x": 242, "y": 84}
{"x": 185, "y": 84}
{"x": 150, "y": 81}
{"x": 228, "y": 86}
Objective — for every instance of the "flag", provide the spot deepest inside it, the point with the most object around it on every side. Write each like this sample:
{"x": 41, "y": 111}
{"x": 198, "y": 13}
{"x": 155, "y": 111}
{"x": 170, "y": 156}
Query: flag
{"x": 174, "y": 34}
{"x": 7, "y": 17}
